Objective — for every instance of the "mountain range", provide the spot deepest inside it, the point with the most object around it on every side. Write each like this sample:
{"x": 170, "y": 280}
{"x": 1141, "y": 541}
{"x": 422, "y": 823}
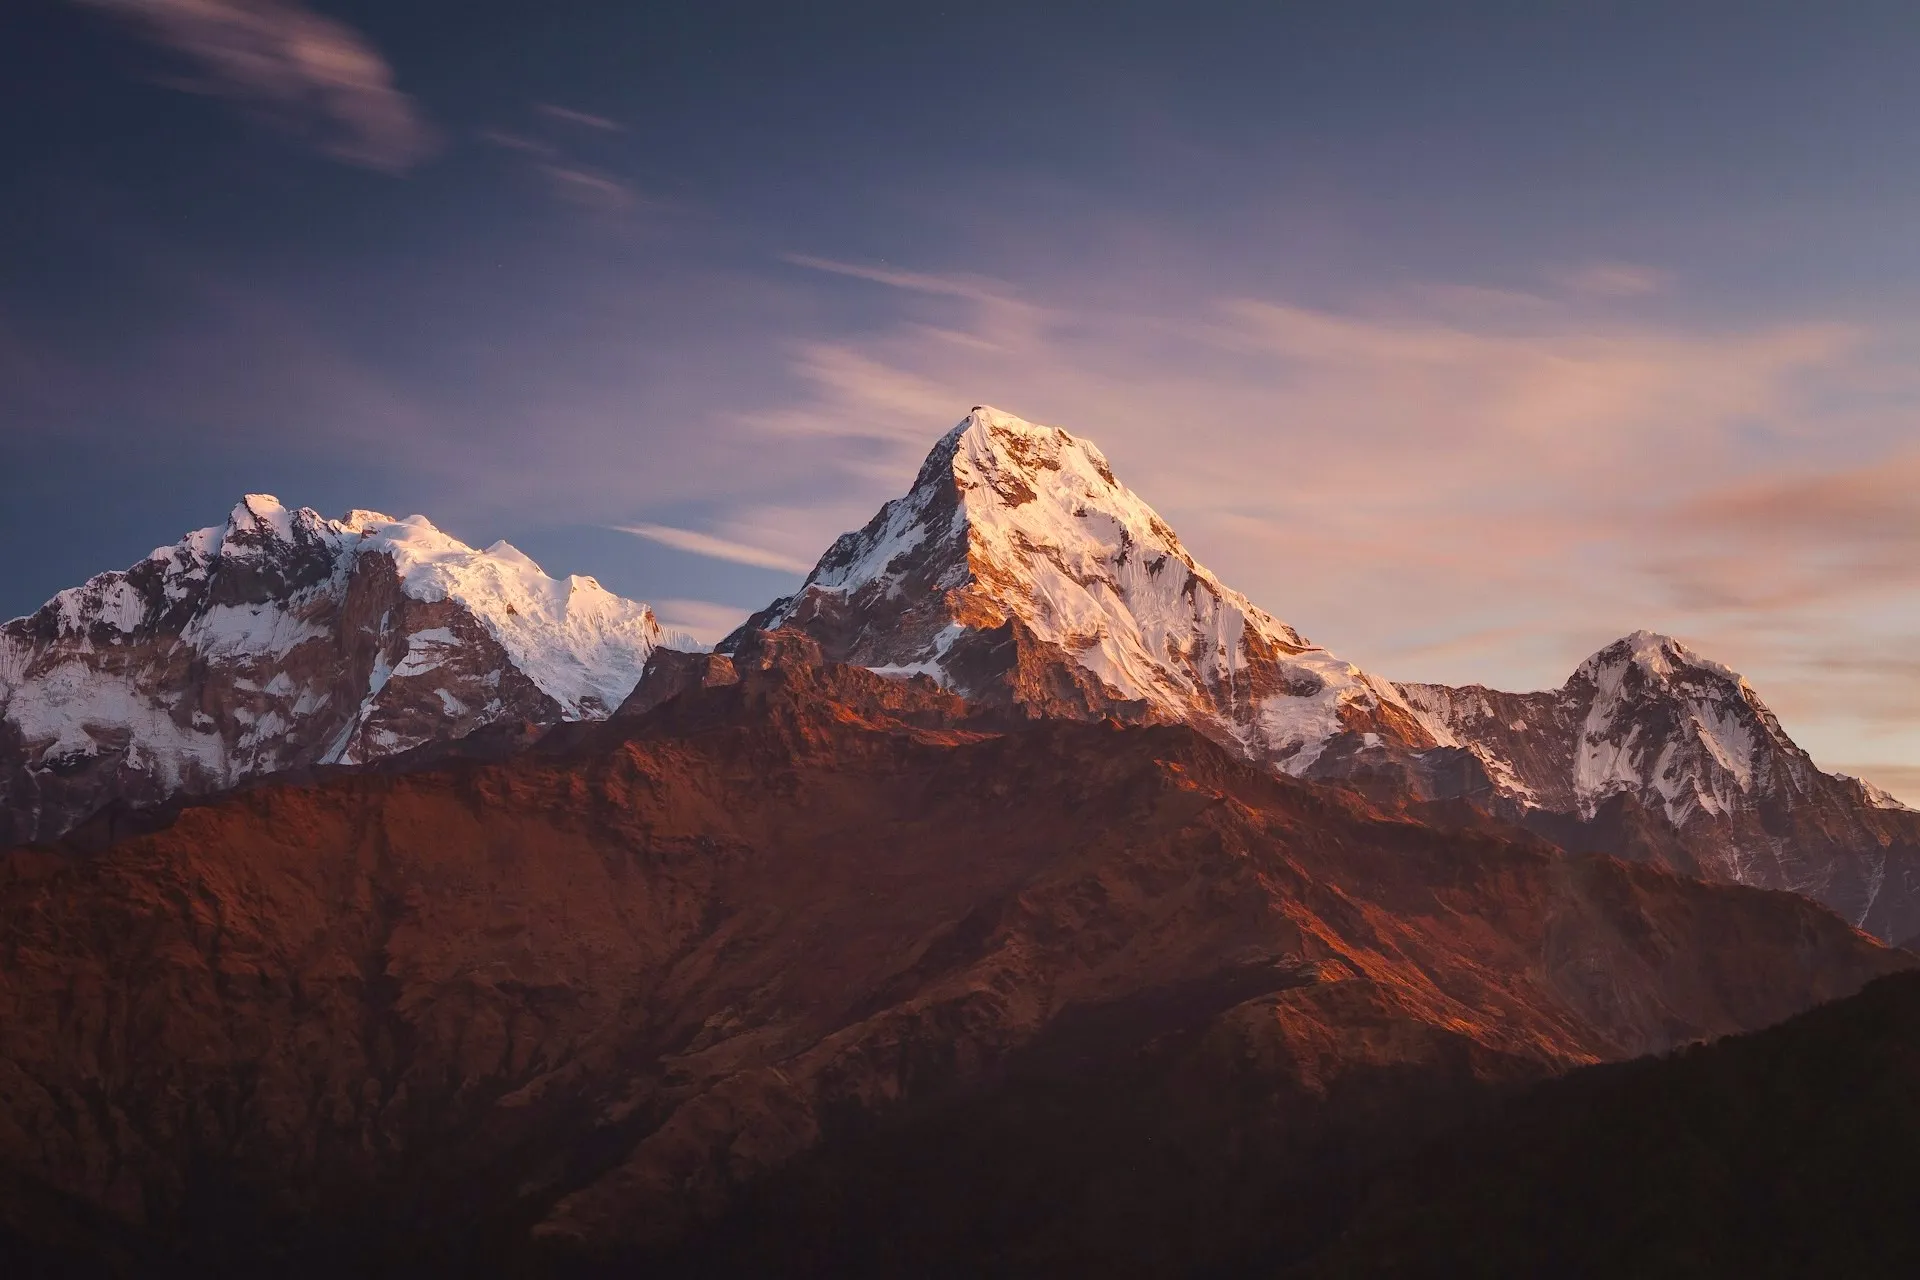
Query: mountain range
{"x": 1014, "y": 898}
{"x": 1017, "y": 570}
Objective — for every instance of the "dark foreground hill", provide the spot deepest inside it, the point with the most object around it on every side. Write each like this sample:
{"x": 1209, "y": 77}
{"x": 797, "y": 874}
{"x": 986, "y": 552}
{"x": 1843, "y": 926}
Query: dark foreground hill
{"x": 1791, "y": 1152}
{"x": 798, "y": 970}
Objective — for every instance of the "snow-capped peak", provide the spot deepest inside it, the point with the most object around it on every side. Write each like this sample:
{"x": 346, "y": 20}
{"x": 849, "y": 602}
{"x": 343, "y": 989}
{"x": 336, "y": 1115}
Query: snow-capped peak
{"x": 1659, "y": 656}
{"x": 1010, "y": 520}
{"x": 583, "y": 645}
{"x": 1646, "y": 725}
{"x": 283, "y": 638}
{"x": 1877, "y": 796}
{"x": 1661, "y": 718}
{"x": 260, "y": 514}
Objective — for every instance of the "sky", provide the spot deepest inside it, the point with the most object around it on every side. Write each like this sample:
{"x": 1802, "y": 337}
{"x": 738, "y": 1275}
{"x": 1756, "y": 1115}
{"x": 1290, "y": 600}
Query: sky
{"x": 1463, "y": 337}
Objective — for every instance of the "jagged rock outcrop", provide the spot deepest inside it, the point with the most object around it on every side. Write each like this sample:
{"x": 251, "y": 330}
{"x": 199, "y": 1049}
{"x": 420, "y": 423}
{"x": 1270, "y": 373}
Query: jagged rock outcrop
{"x": 282, "y": 640}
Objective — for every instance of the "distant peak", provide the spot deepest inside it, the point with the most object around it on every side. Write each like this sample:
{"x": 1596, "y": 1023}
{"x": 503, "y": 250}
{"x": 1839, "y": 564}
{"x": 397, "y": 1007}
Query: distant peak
{"x": 996, "y": 427}
{"x": 504, "y": 550}
{"x": 256, "y": 511}
{"x": 1656, "y": 654}
{"x": 1651, "y": 640}
{"x": 1007, "y": 454}
{"x": 258, "y": 520}
{"x": 362, "y": 521}
{"x": 985, "y": 416}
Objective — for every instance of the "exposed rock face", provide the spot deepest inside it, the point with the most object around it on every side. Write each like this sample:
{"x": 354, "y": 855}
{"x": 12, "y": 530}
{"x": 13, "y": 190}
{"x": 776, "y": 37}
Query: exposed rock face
{"x": 1654, "y": 751}
{"x": 1019, "y": 570}
{"x": 285, "y": 639}
{"x": 577, "y": 998}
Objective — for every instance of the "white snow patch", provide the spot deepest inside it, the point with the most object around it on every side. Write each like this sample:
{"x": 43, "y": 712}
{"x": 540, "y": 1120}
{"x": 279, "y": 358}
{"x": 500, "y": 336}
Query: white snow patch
{"x": 575, "y": 639}
{"x": 426, "y": 650}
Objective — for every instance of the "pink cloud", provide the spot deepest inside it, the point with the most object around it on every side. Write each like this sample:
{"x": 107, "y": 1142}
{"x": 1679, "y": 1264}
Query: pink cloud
{"x": 309, "y": 72}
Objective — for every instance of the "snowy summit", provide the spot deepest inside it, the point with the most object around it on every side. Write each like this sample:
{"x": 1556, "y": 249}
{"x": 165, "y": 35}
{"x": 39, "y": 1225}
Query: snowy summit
{"x": 283, "y": 638}
{"x": 1016, "y": 528}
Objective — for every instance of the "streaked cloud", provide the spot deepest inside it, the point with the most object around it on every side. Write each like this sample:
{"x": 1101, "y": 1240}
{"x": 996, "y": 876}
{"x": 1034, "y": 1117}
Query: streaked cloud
{"x": 309, "y": 73}
{"x": 972, "y": 288}
{"x": 1797, "y": 538}
{"x": 704, "y": 620}
{"x": 589, "y": 188}
{"x": 585, "y": 119}
{"x": 569, "y": 180}
{"x": 1611, "y": 280}
{"x": 859, "y": 396}
{"x": 702, "y": 544}
{"x": 510, "y": 141}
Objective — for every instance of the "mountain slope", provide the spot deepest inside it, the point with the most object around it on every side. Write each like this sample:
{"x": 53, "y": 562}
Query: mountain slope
{"x": 1654, "y": 750}
{"x": 1019, "y": 570}
{"x": 284, "y": 639}
{"x": 573, "y": 1001}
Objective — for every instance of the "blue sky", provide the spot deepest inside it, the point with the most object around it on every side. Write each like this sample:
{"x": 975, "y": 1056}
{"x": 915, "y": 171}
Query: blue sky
{"x": 1464, "y": 337}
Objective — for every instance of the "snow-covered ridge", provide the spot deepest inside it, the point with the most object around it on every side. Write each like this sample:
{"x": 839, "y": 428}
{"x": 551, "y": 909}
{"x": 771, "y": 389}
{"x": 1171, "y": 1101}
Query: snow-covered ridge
{"x": 1647, "y": 726}
{"x": 282, "y": 639}
{"x": 582, "y": 644}
{"x": 1010, "y": 519}
{"x": 1877, "y": 796}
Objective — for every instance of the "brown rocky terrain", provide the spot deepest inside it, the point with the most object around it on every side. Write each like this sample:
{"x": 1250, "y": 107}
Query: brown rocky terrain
{"x": 572, "y": 997}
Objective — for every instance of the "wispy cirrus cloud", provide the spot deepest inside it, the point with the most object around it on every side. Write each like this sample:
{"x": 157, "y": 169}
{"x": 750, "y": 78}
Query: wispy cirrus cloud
{"x": 508, "y": 140}
{"x": 704, "y": 544}
{"x": 590, "y": 188}
{"x": 309, "y": 73}
{"x": 569, "y": 180}
{"x": 1610, "y": 280}
{"x": 972, "y": 288}
{"x": 585, "y": 119}
{"x": 704, "y": 620}
{"x": 1793, "y": 538}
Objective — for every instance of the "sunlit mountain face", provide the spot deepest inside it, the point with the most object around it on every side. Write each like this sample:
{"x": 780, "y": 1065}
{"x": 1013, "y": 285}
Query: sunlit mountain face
{"x": 1021, "y": 640}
